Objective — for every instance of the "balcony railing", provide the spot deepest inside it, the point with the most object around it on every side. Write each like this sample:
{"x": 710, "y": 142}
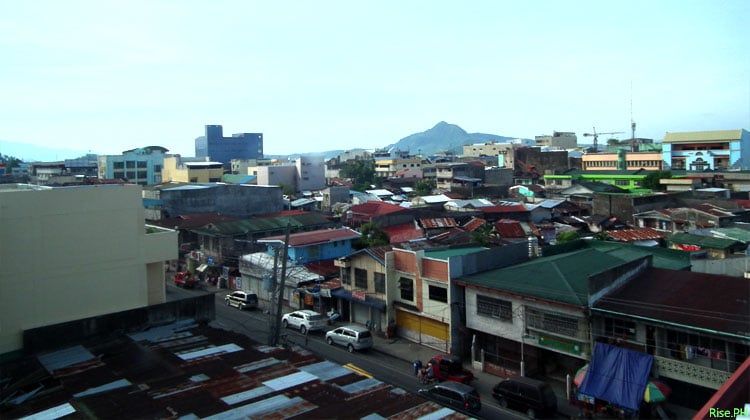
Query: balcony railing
{"x": 691, "y": 373}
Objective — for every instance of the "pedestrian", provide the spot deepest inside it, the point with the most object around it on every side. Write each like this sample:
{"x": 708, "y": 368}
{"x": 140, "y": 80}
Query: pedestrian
{"x": 430, "y": 373}
{"x": 417, "y": 366}
{"x": 421, "y": 375}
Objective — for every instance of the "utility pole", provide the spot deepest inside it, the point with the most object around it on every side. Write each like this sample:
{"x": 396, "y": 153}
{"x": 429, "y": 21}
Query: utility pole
{"x": 280, "y": 284}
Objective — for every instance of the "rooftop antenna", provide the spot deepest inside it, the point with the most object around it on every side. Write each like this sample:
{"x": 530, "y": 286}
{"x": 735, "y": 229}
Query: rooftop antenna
{"x": 633, "y": 142}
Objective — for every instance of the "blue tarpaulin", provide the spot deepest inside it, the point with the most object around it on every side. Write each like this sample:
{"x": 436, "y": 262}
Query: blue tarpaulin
{"x": 617, "y": 375}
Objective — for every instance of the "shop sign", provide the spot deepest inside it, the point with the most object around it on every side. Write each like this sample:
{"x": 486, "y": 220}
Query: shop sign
{"x": 559, "y": 344}
{"x": 359, "y": 296}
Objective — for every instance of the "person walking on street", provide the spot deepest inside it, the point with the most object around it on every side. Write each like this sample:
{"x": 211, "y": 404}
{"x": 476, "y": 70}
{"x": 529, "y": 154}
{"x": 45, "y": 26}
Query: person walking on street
{"x": 417, "y": 366}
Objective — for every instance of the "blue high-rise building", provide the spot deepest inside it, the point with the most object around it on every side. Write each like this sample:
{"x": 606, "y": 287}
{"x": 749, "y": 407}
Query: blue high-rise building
{"x": 222, "y": 149}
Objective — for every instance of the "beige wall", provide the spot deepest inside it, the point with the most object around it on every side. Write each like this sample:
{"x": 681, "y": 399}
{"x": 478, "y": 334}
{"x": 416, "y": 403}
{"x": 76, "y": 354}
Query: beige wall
{"x": 71, "y": 253}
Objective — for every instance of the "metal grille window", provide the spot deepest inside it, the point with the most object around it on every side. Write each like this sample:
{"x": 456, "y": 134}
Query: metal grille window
{"x": 619, "y": 328}
{"x": 552, "y": 322}
{"x": 379, "y": 283}
{"x": 439, "y": 294}
{"x": 346, "y": 276}
{"x": 494, "y": 308}
{"x": 407, "y": 288}
{"x": 360, "y": 278}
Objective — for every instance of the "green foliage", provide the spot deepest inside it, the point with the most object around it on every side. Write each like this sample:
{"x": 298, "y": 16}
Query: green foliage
{"x": 424, "y": 187}
{"x": 568, "y": 236}
{"x": 9, "y": 161}
{"x": 361, "y": 172}
{"x": 372, "y": 236}
{"x": 287, "y": 189}
{"x": 651, "y": 181}
{"x": 482, "y": 235}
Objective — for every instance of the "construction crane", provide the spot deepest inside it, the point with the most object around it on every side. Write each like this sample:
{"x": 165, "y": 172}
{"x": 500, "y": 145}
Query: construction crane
{"x": 596, "y": 137}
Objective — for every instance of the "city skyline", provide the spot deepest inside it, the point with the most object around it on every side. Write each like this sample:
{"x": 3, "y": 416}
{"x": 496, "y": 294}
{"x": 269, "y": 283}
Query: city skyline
{"x": 108, "y": 77}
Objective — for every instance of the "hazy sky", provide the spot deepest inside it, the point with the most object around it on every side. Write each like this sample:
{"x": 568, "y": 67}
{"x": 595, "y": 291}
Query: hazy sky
{"x": 109, "y": 76}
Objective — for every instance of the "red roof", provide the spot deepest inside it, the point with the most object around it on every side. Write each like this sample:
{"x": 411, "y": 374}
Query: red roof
{"x": 404, "y": 232}
{"x": 510, "y": 229}
{"x": 632, "y": 235}
{"x": 698, "y": 300}
{"x": 505, "y": 207}
{"x": 474, "y": 224}
{"x": 438, "y": 222}
{"x": 324, "y": 268}
{"x": 375, "y": 208}
{"x": 316, "y": 237}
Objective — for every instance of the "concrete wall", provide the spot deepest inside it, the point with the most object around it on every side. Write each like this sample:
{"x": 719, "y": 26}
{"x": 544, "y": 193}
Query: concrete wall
{"x": 241, "y": 201}
{"x": 71, "y": 253}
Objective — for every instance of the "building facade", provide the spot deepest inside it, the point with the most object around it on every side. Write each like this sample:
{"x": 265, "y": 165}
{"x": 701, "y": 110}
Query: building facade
{"x": 214, "y": 146}
{"x": 707, "y": 150}
{"x": 142, "y": 166}
{"x": 177, "y": 169}
{"x": 72, "y": 253}
{"x": 558, "y": 140}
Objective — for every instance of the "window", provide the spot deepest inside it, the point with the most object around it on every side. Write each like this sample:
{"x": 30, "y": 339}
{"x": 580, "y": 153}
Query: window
{"x": 407, "y": 288}
{"x": 619, "y": 328}
{"x": 439, "y": 294}
{"x": 552, "y": 322}
{"x": 346, "y": 276}
{"x": 379, "y": 282}
{"x": 495, "y": 308}
{"x": 360, "y": 278}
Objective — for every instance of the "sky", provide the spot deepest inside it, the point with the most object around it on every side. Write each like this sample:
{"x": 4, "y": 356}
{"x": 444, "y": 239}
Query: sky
{"x": 109, "y": 76}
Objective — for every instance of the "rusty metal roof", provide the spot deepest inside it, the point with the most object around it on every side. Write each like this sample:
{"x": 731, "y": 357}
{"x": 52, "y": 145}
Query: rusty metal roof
{"x": 633, "y": 235}
{"x": 191, "y": 371}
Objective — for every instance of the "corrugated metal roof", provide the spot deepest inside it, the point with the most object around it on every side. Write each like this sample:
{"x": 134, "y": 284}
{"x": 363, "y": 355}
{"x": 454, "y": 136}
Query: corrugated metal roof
{"x": 698, "y": 300}
{"x": 316, "y": 237}
{"x": 560, "y": 278}
{"x": 438, "y": 222}
{"x": 633, "y": 235}
{"x": 704, "y": 241}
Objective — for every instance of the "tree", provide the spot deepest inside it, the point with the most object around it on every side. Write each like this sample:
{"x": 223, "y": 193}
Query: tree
{"x": 372, "y": 236}
{"x": 361, "y": 172}
{"x": 482, "y": 235}
{"x": 424, "y": 187}
{"x": 651, "y": 181}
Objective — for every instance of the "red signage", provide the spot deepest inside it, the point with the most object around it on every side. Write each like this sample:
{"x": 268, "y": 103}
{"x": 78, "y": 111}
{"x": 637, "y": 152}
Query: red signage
{"x": 359, "y": 295}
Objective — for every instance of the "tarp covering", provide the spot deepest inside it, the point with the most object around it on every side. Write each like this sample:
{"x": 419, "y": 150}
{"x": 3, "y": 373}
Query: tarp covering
{"x": 617, "y": 375}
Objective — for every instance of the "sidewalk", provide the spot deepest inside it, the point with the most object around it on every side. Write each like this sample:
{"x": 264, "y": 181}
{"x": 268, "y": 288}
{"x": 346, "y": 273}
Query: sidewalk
{"x": 406, "y": 350}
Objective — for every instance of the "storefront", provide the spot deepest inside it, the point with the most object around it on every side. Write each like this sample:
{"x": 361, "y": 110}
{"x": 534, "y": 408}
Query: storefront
{"x": 362, "y": 308}
{"x": 420, "y": 329}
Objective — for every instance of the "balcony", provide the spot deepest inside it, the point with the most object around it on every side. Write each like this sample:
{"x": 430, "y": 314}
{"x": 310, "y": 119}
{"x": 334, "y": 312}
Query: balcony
{"x": 690, "y": 373}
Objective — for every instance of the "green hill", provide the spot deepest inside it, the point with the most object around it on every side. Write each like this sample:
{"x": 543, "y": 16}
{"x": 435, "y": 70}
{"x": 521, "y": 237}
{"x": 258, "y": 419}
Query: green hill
{"x": 444, "y": 137}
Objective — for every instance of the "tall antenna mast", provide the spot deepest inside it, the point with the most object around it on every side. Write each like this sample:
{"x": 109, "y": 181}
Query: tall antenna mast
{"x": 633, "y": 143}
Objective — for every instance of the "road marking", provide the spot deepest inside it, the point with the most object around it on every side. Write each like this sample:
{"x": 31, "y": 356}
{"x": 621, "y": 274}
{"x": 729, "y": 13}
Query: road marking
{"x": 358, "y": 370}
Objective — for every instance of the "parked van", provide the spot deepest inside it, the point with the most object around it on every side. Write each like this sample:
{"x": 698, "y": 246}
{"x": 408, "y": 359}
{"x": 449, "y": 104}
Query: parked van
{"x": 353, "y": 337}
{"x": 242, "y": 300}
{"x": 534, "y": 397}
{"x": 454, "y": 394}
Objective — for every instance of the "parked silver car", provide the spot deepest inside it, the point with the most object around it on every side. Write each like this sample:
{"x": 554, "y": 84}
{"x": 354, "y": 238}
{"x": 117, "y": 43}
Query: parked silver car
{"x": 353, "y": 337}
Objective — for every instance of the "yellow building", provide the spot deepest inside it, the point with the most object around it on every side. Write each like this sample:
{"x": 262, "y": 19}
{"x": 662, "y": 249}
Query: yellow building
{"x": 650, "y": 161}
{"x": 76, "y": 252}
{"x": 175, "y": 170}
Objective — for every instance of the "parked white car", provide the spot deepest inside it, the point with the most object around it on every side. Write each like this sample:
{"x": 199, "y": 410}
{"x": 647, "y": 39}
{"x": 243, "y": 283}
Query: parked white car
{"x": 353, "y": 337}
{"x": 305, "y": 320}
{"x": 241, "y": 300}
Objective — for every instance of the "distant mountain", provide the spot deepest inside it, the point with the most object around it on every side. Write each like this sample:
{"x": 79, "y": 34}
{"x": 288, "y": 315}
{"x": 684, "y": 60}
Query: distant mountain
{"x": 444, "y": 137}
{"x": 35, "y": 153}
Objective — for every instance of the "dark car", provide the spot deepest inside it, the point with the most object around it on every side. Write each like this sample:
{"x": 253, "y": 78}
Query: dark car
{"x": 448, "y": 367}
{"x": 534, "y": 397}
{"x": 453, "y": 394}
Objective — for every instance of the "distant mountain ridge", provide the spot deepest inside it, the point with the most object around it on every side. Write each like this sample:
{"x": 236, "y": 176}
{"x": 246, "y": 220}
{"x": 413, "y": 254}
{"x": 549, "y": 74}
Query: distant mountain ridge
{"x": 444, "y": 137}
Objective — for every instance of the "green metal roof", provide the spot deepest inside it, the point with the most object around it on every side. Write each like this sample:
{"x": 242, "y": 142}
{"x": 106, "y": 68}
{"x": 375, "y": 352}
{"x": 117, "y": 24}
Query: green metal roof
{"x": 738, "y": 234}
{"x": 444, "y": 254}
{"x": 703, "y": 241}
{"x": 662, "y": 257}
{"x": 561, "y": 278}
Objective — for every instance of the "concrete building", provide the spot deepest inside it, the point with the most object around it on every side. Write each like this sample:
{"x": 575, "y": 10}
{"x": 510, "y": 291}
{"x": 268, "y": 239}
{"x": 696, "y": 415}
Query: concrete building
{"x": 280, "y": 175}
{"x": 622, "y": 160}
{"x": 248, "y": 166}
{"x": 142, "y": 166}
{"x": 177, "y": 169}
{"x": 558, "y": 140}
{"x": 72, "y": 253}
{"x": 311, "y": 173}
{"x": 387, "y": 168}
{"x": 232, "y": 200}
{"x": 503, "y": 151}
{"x": 707, "y": 150}
{"x": 214, "y": 146}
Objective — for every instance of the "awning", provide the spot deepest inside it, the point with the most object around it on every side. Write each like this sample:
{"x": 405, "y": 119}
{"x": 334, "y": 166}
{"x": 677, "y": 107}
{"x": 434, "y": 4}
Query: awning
{"x": 617, "y": 375}
{"x": 201, "y": 268}
{"x": 368, "y": 300}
